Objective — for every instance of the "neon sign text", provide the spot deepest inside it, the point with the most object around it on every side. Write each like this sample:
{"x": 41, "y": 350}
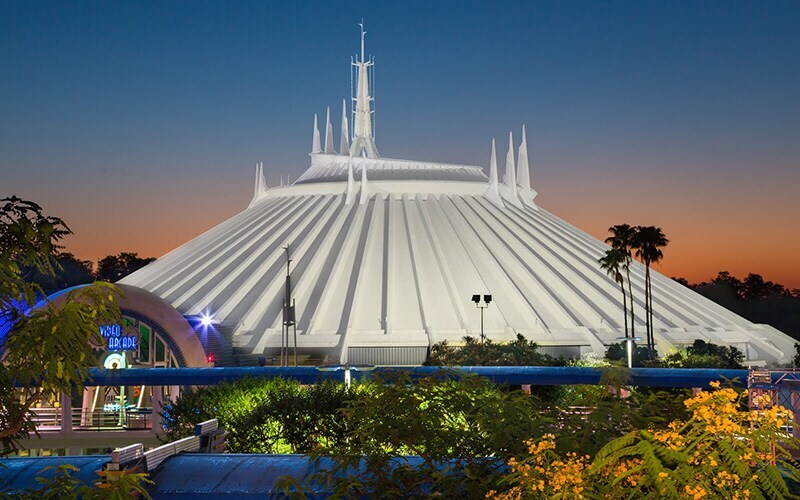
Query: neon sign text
{"x": 115, "y": 341}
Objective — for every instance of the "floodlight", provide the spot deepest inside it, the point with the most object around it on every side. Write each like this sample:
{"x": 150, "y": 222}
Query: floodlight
{"x": 476, "y": 298}
{"x": 205, "y": 320}
{"x": 487, "y": 298}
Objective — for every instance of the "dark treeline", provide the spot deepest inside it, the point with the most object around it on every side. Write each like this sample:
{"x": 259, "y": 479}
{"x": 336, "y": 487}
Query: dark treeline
{"x": 71, "y": 271}
{"x": 755, "y": 299}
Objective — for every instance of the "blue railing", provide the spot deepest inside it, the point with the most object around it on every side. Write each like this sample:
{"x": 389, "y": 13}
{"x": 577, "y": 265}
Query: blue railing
{"x": 533, "y": 375}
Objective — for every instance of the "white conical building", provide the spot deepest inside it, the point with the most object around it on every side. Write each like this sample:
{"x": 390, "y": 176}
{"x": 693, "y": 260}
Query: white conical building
{"x": 385, "y": 266}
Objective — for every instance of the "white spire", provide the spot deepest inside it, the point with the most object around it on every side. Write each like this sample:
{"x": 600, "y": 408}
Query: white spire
{"x": 344, "y": 145}
{"x": 511, "y": 175}
{"x": 522, "y": 165}
{"x": 262, "y": 181}
{"x": 260, "y": 186}
{"x": 351, "y": 184}
{"x": 315, "y": 144}
{"x": 364, "y": 193}
{"x": 257, "y": 188}
{"x": 329, "y": 134}
{"x": 493, "y": 170}
{"x": 363, "y": 138}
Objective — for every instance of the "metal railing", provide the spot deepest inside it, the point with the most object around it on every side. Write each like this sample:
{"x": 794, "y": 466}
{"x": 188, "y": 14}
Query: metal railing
{"x": 48, "y": 419}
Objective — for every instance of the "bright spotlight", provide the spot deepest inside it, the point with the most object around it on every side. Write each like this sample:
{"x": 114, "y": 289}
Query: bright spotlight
{"x": 205, "y": 320}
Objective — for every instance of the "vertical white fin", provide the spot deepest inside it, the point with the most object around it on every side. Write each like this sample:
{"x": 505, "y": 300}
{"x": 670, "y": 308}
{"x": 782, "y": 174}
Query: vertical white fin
{"x": 493, "y": 183}
{"x": 511, "y": 174}
{"x": 522, "y": 165}
{"x": 351, "y": 184}
{"x": 256, "y": 188}
{"x": 364, "y": 192}
{"x": 344, "y": 145}
{"x": 329, "y": 134}
{"x": 261, "y": 181}
{"x": 315, "y": 145}
{"x": 260, "y": 185}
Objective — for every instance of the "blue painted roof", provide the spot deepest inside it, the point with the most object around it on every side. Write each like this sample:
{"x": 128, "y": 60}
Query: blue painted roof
{"x": 186, "y": 475}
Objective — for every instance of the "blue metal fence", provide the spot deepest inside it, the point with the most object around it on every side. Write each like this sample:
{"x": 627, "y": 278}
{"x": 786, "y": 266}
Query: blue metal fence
{"x": 533, "y": 375}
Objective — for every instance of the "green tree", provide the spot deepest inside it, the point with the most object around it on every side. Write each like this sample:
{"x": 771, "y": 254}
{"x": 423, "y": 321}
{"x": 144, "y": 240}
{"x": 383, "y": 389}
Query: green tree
{"x": 520, "y": 352}
{"x": 115, "y": 267}
{"x": 48, "y": 348}
{"x": 621, "y": 238}
{"x": 611, "y": 262}
{"x": 648, "y": 242}
{"x": 619, "y": 352}
{"x": 68, "y": 271}
{"x": 703, "y": 354}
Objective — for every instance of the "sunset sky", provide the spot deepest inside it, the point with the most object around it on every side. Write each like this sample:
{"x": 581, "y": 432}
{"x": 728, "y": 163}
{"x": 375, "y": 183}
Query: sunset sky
{"x": 139, "y": 123}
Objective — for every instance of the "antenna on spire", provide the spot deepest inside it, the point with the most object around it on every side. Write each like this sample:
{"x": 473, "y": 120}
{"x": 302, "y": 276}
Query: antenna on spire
{"x": 362, "y": 38}
{"x": 363, "y": 127}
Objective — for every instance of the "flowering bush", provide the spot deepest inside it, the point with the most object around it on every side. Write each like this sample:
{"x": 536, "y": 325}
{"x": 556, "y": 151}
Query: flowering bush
{"x": 720, "y": 451}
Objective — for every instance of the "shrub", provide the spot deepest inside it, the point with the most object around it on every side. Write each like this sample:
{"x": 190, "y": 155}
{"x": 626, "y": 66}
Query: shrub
{"x": 520, "y": 352}
{"x": 262, "y": 415}
{"x": 462, "y": 428}
{"x": 719, "y": 451}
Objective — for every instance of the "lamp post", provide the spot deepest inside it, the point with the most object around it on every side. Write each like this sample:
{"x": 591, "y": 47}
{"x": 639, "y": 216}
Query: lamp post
{"x": 629, "y": 341}
{"x": 487, "y": 299}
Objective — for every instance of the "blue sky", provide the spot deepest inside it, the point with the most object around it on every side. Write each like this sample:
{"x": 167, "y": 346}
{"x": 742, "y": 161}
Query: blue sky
{"x": 106, "y": 105}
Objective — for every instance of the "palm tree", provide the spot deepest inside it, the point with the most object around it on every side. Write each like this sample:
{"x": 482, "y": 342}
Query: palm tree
{"x": 611, "y": 262}
{"x": 622, "y": 238}
{"x": 648, "y": 242}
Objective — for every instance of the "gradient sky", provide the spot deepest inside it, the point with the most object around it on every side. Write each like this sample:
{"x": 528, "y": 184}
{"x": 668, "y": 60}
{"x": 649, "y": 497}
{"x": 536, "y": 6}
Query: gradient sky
{"x": 139, "y": 122}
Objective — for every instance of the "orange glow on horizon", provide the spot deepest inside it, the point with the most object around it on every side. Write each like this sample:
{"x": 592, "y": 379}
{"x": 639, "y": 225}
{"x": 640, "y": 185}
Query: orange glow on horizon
{"x": 708, "y": 233}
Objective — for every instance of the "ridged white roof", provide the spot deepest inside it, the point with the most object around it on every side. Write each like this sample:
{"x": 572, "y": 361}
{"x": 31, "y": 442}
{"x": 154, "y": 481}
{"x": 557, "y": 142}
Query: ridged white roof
{"x": 395, "y": 261}
{"x": 386, "y": 255}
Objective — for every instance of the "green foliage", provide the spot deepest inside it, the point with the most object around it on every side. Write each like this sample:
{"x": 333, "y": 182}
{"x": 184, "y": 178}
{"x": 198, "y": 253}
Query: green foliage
{"x": 719, "y": 449}
{"x": 263, "y": 415}
{"x": 459, "y": 427}
{"x": 63, "y": 485}
{"x": 703, "y": 355}
{"x": 619, "y": 352}
{"x": 520, "y": 352}
{"x": 597, "y": 414}
{"x": 755, "y": 299}
{"x": 115, "y": 267}
{"x": 700, "y": 354}
{"x": 68, "y": 271}
{"x": 49, "y": 347}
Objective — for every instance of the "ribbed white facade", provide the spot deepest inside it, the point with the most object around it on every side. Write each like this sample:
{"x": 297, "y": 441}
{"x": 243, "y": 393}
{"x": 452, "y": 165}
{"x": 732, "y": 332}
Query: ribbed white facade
{"x": 386, "y": 255}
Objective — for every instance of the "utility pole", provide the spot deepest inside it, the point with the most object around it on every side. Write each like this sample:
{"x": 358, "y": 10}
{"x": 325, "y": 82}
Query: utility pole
{"x": 288, "y": 316}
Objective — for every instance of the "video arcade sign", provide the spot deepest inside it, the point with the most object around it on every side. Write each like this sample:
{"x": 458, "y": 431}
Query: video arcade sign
{"x": 116, "y": 341}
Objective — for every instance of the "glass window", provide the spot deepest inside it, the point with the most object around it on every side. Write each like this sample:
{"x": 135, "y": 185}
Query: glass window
{"x": 160, "y": 351}
{"x": 144, "y": 344}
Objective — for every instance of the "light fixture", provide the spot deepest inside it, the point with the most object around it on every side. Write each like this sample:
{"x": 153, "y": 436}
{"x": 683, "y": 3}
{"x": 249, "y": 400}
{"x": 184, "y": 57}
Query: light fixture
{"x": 206, "y": 320}
{"x": 487, "y": 298}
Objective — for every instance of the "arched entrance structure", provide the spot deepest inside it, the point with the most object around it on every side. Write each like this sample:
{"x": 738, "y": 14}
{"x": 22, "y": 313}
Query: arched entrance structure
{"x": 151, "y": 334}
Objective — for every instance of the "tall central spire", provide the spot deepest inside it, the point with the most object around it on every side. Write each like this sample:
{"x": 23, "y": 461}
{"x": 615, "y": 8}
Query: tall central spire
{"x": 363, "y": 138}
